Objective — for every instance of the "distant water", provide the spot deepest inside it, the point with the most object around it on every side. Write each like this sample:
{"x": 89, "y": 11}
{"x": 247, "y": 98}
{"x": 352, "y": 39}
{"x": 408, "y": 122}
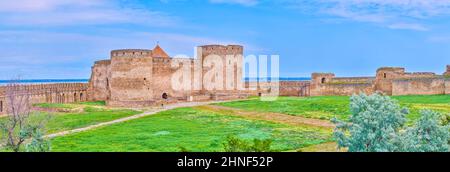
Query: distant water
{"x": 44, "y": 81}
{"x": 53, "y": 81}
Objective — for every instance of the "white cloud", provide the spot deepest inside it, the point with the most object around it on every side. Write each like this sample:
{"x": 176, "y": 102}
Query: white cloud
{"x": 77, "y": 12}
{"x": 393, "y": 14}
{"x": 44, "y": 5}
{"x": 408, "y": 26}
{"x": 240, "y": 2}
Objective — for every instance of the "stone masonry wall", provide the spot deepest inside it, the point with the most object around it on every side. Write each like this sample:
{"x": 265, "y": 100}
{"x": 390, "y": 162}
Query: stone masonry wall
{"x": 330, "y": 89}
{"x": 418, "y": 86}
{"x": 447, "y": 86}
{"x": 99, "y": 81}
{"x": 131, "y": 77}
{"x": 48, "y": 93}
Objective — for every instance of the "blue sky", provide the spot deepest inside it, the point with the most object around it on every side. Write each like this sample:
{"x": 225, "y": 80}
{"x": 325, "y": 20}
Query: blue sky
{"x": 62, "y": 38}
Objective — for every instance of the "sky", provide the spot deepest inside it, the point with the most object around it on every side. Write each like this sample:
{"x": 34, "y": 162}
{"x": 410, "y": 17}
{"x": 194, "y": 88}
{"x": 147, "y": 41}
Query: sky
{"x": 61, "y": 39}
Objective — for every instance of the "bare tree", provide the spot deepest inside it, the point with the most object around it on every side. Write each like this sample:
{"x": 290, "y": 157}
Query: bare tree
{"x": 18, "y": 128}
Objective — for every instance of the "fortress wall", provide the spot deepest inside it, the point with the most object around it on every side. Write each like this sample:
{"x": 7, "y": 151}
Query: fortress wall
{"x": 350, "y": 80}
{"x": 418, "y": 86}
{"x": 331, "y": 89}
{"x": 447, "y": 86}
{"x": 48, "y": 93}
{"x": 294, "y": 88}
{"x": 131, "y": 79}
{"x": 286, "y": 88}
{"x": 99, "y": 81}
{"x": 419, "y": 74}
{"x": 162, "y": 79}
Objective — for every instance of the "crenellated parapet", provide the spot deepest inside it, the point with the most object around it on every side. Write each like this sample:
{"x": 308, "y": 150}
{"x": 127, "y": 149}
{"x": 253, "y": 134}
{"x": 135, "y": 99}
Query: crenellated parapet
{"x": 220, "y": 50}
{"x": 131, "y": 53}
{"x": 45, "y": 93}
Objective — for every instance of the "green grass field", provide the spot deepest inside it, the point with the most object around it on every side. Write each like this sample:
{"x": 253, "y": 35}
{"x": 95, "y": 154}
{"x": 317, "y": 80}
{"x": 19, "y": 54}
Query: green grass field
{"x": 200, "y": 130}
{"x": 327, "y": 107}
{"x": 189, "y": 128}
{"x": 88, "y": 113}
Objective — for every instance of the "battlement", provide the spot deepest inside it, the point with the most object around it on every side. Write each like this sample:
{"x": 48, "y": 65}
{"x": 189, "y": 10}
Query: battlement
{"x": 131, "y": 53}
{"x": 103, "y": 62}
{"x": 221, "y": 49}
{"x": 159, "y": 60}
{"x": 39, "y": 88}
{"x": 391, "y": 69}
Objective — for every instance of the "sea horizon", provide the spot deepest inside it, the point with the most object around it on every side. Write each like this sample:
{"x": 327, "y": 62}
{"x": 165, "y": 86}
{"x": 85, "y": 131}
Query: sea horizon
{"x": 52, "y": 81}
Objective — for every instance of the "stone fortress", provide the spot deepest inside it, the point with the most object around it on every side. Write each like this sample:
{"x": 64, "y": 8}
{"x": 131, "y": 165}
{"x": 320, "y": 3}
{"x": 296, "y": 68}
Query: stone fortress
{"x": 137, "y": 77}
{"x": 140, "y": 77}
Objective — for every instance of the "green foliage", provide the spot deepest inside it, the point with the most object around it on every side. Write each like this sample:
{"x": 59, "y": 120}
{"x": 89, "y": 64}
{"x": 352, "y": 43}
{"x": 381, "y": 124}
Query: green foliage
{"x": 428, "y": 135}
{"x": 378, "y": 122}
{"x": 183, "y": 149}
{"x": 15, "y": 135}
{"x": 234, "y": 144}
{"x": 38, "y": 143}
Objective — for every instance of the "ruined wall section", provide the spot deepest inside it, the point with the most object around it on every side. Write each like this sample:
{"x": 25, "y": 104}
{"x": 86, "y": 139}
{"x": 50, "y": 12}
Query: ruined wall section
{"x": 295, "y": 88}
{"x": 447, "y": 85}
{"x": 385, "y": 77}
{"x": 99, "y": 89}
{"x": 447, "y": 72}
{"x": 326, "y": 84}
{"x": 419, "y": 86}
{"x": 131, "y": 78}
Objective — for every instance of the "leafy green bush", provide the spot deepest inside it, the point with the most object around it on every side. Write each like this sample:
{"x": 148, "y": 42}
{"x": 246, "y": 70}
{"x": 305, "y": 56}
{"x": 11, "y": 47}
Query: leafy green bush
{"x": 377, "y": 124}
{"x": 234, "y": 144}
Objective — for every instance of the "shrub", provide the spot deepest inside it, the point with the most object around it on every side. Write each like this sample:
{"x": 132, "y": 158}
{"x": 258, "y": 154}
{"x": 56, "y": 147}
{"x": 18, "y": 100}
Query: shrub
{"x": 377, "y": 124}
{"x": 234, "y": 144}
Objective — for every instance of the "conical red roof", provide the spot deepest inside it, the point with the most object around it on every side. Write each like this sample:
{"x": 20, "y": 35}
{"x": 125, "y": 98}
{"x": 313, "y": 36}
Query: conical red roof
{"x": 159, "y": 52}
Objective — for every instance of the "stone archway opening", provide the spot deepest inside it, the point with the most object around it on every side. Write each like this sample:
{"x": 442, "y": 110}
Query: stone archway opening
{"x": 75, "y": 98}
{"x": 165, "y": 96}
{"x": 1, "y": 106}
{"x": 323, "y": 80}
{"x": 81, "y": 97}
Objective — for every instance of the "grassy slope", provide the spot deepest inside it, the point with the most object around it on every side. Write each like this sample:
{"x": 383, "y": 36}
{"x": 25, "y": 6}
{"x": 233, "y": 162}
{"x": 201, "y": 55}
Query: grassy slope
{"x": 327, "y": 107}
{"x": 192, "y": 129}
{"x": 91, "y": 113}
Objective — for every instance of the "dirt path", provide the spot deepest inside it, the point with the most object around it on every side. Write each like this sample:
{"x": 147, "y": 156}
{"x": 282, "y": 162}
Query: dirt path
{"x": 147, "y": 113}
{"x": 269, "y": 116}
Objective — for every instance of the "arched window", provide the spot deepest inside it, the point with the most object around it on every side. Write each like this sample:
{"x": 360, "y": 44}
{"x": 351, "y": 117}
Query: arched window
{"x": 165, "y": 96}
{"x": 1, "y": 106}
{"x": 323, "y": 80}
{"x": 385, "y": 75}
